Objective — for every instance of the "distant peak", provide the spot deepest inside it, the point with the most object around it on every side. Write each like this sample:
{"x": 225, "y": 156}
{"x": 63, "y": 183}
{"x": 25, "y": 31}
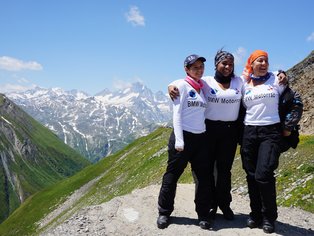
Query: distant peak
{"x": 138, "y": 86}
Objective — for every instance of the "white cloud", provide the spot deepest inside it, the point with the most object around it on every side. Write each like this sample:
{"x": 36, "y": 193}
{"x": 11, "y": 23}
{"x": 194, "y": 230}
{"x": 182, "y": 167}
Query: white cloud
{"x": 9, "y": 88}
{"x": 239, "y": 55}
{"x": 120, "y": 84}
{"x": 13, "y": 64}
{"x": 134, "y": 16}
{"x": 23, "y": 80}
{"x": 311, "y": 37}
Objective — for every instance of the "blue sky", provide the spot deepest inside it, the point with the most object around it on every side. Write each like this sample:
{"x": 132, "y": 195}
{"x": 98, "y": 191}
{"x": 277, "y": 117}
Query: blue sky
{"x": 98, "y": 44}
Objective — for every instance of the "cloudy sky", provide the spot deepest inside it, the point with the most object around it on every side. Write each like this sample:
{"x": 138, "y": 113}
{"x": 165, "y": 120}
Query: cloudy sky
{"x": 93, "y": 45}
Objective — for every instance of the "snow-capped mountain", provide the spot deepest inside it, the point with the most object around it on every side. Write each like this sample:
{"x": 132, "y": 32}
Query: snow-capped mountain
{"x": 97, "y": 125}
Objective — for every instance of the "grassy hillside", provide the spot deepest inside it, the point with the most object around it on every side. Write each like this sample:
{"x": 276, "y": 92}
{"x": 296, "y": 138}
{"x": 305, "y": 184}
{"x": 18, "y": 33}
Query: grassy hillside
{"x": 140, "y": 164}
{"x": 32, "y": 157}
{"x": 295, "y": 176}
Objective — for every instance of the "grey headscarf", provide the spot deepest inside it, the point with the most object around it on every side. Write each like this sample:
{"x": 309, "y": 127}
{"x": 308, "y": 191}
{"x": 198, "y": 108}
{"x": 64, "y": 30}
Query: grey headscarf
{"x": 222, "y": 55}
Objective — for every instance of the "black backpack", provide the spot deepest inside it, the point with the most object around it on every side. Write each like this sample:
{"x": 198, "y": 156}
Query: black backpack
{"x": 290, "y": 112}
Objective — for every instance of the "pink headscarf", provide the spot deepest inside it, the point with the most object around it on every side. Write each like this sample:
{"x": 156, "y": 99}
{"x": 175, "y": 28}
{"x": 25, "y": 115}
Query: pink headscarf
{"x": 197, "y": 85}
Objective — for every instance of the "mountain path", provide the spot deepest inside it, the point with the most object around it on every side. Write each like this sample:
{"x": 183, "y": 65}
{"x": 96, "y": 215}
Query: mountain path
{"x": 68, "y": 203}
{"x": 136, "y": 213}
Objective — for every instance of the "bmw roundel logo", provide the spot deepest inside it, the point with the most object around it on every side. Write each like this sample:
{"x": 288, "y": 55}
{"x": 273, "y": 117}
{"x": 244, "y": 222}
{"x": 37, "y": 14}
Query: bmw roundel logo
{"x": 192, "y": 94}
{"x": 213, "y": 91}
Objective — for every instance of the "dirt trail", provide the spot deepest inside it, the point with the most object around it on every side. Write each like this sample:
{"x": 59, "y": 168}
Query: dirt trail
{"x": 135, "y": 214}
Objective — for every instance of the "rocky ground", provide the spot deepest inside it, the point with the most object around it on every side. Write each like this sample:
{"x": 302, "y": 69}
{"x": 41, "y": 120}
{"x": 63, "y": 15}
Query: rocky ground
{"x": 135, "y": 214}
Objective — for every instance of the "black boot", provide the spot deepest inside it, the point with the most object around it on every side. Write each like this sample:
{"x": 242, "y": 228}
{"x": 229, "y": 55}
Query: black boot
{"x": 204, "y": 223}
{"x": 253, "y": 223}
{"x": 163, "y": 221}
{"x": 268, "y": 226}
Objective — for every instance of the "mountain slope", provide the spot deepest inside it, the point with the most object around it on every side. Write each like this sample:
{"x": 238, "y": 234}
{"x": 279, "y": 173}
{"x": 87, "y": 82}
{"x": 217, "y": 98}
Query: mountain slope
{"x": 302, "y": 80}
{"x": 140, "y": 164}
{"x": 32, "y": 157}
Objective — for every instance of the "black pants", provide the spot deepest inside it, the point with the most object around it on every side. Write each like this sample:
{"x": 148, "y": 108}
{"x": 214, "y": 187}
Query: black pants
{"x": 195, "y": 152}
{"x": 222, "y": 145}
{"x": 260, "y": 153}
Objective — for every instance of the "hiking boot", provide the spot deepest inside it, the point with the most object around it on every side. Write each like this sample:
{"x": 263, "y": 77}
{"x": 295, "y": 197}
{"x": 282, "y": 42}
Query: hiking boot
{"x": 163, "y": 221}
{"x": 268, "y": 226}
{"x": 253, "y": 223}
{"x": 227, "y": 213}
{"x": 204, "y": 223}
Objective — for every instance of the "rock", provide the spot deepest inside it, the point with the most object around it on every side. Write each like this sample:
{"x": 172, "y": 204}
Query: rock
{"x": 301, "y": 78}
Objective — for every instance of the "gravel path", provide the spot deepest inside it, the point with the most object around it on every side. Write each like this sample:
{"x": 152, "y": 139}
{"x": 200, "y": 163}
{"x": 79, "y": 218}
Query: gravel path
{"x": 136, "y": 213}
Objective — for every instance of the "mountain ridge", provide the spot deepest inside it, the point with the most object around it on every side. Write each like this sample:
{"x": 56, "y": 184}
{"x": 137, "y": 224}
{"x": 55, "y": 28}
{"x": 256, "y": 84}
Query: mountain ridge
{"x": 97, "y": 125}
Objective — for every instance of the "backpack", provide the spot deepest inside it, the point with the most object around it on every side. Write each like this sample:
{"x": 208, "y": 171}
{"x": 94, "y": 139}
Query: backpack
{"x": 290, "y": 112}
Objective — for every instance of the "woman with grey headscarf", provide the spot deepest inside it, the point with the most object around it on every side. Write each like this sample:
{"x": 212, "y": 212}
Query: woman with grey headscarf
{"x": 224, "y": 99}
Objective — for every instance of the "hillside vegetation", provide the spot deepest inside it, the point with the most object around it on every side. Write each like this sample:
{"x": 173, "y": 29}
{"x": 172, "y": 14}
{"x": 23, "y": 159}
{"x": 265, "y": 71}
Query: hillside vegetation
{"x": 32, "y": 157}
{"x": 143, "y": 163}
{"x": 295, "y": 176}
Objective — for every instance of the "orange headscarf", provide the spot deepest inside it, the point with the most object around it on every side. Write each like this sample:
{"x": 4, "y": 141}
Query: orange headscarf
{"x": 248, "y": 69}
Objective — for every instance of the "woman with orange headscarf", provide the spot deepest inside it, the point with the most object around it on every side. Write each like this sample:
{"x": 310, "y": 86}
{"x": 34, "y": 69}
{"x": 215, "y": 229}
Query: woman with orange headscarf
{"x": 262, "y": 137}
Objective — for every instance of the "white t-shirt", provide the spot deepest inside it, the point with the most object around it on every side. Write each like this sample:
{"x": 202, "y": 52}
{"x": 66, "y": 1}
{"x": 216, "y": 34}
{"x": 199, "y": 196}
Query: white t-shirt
{"x": 261, "y": 102}
{"x": 223, "y": 105}
{"x": 188, "y": 112}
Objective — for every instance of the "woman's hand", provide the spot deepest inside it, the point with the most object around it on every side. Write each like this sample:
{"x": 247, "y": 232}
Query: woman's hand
{"x": 282, "y": 77}
{"x": 179, "y": 149}
{"x": 173, "y": 92}
{"x": 286, "y": 133}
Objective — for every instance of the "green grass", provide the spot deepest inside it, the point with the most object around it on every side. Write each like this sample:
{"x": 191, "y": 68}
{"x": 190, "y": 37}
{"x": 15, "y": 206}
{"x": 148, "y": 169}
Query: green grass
{"x": 295, "y": 182}
{"x": 22, "y": 221}
{"x": 295, "y": 176}
{"x": 34, "y": 156}
{"x": 140, "y": 164}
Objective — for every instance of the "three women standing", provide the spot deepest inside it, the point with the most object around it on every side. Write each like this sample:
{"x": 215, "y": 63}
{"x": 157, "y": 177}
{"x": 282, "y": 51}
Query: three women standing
{"x": 259, "y": 91}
